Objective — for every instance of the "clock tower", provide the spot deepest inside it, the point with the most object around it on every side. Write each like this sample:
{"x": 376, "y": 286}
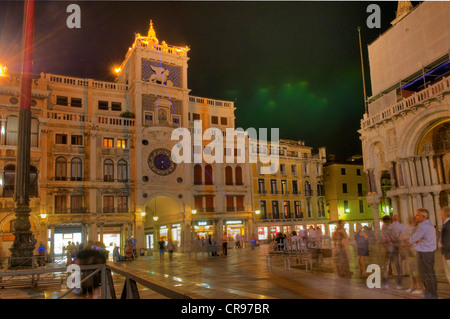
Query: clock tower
{"x": 156, "y": 75}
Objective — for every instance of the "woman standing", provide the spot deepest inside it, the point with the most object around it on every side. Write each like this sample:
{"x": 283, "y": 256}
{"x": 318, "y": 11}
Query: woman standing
{"x": 340, "y": 252}
{"x": 362, "y": 244}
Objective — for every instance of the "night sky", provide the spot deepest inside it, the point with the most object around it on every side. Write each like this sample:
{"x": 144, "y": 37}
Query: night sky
{"x": 292, "y": 65}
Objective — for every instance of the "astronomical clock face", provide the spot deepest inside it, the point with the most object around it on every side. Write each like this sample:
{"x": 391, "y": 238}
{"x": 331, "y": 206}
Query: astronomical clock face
{"x": 160, "y": 162}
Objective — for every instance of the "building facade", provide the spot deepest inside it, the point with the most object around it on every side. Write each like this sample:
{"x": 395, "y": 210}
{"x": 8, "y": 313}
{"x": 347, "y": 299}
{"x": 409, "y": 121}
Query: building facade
{"x": 346, "y": 190}
{"x": 405, "y": 131}
{"x": 293, "y": 197}
{"x": 101, "y": 164}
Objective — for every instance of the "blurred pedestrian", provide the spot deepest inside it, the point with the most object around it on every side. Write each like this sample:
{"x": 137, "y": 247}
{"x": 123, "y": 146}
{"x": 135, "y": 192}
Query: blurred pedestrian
{"x": 409, "y": 254}
{"x": 341, "y": 252}
{"x": 312, "y": 236}
{"x": 424, "y": 242}
{"x": 162, "y": 249}
{"x": 295, "y": 241}
{"x": 362, "y": 244}
{"x": 445, "y": 240}
{"x": 319, "y": 236}
{"x": 396, "y": 228}
{"x": 170, "y": 248}
{"x": 391, "y": 245}
{"x": 225, "y": 244}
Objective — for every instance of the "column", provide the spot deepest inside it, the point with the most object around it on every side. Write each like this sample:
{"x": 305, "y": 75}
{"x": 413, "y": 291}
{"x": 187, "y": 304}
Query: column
{"x": 376, "y": 218}
{"x": 398, "y": 169}
{"x": 368, "y": 180}
{"x": 417, "y": 201}
{"x": 440, "y": 169}
{"x": 139, "y": 235}
{"x": 52, "y": 241}
{"x": 435, "y": 213}
{"x": 2, "y": 131}
{"x": 406, "y": 173}
{"x": 412, "y": 171}
{"x": 396, "y": 207}
{"x": 393, "y": 176}
{"x": 426, "y": 170}
{"x": 428, "y": 203}
{"x": 433, "y": 170}
{"x": 93, "y": 235}
{"x": 418, "y": 166}
{"x": 220, "y": 230}
{"x": 406, "y": 210}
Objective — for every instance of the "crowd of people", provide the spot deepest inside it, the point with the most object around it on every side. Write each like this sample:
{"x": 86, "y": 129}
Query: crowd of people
{"x": 311, "y": 237}
{"x": 409, "y": 249}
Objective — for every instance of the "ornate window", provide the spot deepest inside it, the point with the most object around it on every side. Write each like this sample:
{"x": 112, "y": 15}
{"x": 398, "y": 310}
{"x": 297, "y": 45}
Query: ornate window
{"x": 122, "y": 171}
{"x": 76, "y": 170}
{"x": 108, "y": 170}
{"x": 60, "y": 169}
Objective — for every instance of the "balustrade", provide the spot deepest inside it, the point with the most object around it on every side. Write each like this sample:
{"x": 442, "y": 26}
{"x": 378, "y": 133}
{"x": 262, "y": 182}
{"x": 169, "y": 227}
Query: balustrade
{"x": 407, "y": 103}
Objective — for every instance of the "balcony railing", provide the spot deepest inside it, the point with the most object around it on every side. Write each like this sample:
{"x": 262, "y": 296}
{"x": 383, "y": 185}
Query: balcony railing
{"x": 114, "y": 210}
{"x": 80, "y": 210}
{"x": 417, "y": 98}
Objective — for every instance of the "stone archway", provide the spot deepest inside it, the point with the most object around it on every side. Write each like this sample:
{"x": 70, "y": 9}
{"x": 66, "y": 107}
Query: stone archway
{"x": 169, "y": 222}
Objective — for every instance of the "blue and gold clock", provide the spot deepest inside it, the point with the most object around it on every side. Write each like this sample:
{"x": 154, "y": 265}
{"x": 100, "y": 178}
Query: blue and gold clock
{"x": 160, "y": 162}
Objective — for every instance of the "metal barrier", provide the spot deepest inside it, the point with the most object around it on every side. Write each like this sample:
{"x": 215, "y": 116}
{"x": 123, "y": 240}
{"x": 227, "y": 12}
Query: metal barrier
{"x": 34, "y": 277}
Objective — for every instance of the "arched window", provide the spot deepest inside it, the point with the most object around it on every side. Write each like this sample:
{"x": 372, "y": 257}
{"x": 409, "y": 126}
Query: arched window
{"x": 238, "y": 172}
{"x": 12, "y": 129}
{"x": 122, "y": 171}
{"x": 108, "y": 170}
{"x": 9, "y": 179}
{"x": 228, "y": 175}
{"x": 208, "y": 175}
{"x": 320, "y": 189}
{"x": 76, "y": 169}
{"x": 33, "y": 186}
{"x": 197, "y": 174}
{"x": 60, "y": 169}
{"x": 308, "y": 191}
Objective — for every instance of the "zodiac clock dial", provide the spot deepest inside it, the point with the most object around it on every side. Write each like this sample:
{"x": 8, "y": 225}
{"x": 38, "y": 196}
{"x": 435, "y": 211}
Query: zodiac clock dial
{"x": 160, "y": 162}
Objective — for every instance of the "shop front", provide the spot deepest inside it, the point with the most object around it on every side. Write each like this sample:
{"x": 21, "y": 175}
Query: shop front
{"x": 234, "y": 227}
{"x": 203, "y": 228}
{"x": 111, "y": 238}
{"x": 64, "y": 235}
{"x": 176, "y": 234}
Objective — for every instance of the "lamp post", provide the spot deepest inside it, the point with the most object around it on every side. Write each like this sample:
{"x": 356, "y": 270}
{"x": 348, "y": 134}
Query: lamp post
{"x": 24, "y": 241}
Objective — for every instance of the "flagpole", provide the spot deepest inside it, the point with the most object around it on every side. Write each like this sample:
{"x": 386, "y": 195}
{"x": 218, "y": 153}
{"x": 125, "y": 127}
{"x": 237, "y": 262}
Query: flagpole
{"x": 362, "y": 69}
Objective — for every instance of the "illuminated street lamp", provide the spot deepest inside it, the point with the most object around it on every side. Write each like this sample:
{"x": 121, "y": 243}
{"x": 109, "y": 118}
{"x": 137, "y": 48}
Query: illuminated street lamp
{"x": 24, "y": 241}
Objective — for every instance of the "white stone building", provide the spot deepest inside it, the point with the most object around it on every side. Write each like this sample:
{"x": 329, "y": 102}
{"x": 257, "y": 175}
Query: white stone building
{"x": 405, "y": 131}
{"x": 101, "y": 156}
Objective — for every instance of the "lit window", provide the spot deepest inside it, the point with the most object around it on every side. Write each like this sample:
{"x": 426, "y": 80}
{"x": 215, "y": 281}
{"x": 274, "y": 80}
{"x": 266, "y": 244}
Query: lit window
{"x": 108, "y": 142}
{"x": 122, "y": 143}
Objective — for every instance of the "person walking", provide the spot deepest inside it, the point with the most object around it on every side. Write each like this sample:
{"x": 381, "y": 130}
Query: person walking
{"x": 424, "y": 242}
{"x": 225, "y": 244}
{"x": 341, "y": 252}
{"x": 162, "y": 249}
{"x": 362, "y": 244}
{"x": 170, "y": 248}
{"x": 390, "y": 241}
{"x": 397, "y": 228}
{"x": 409, "y": 254}
{"x": 445, "y": 240}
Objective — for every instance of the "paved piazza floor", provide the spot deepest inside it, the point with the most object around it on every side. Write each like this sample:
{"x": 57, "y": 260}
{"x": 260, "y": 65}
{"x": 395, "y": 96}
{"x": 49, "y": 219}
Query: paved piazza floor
{"x": 243, "y": 274}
